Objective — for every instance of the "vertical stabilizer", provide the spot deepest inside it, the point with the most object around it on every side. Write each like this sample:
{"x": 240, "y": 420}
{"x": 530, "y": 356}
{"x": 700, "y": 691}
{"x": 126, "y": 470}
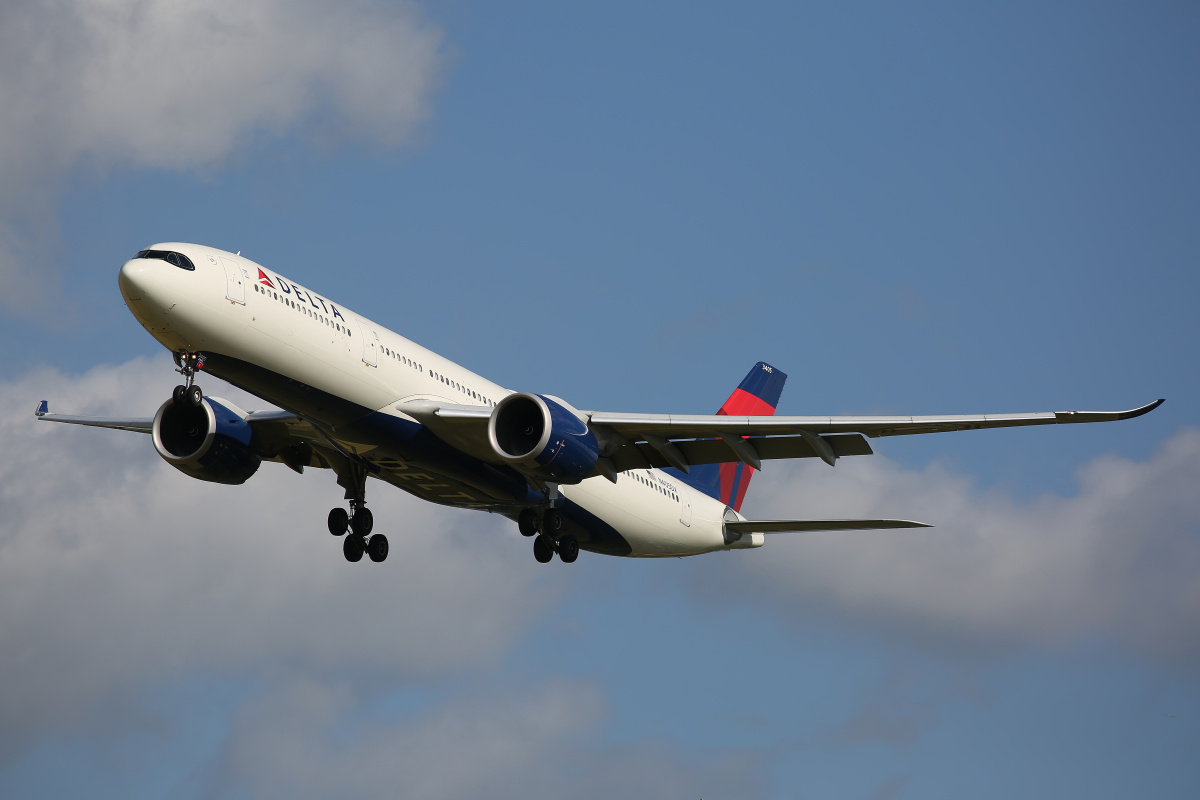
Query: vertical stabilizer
{"x": 757, "y": 396}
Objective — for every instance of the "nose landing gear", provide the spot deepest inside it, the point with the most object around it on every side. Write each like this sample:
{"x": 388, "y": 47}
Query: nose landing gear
{"x": 188, "y": 364}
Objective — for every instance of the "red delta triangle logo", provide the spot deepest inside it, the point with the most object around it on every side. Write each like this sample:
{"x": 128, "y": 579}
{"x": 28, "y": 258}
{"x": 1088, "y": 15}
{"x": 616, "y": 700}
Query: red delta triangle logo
{"x": 264, "y": 280}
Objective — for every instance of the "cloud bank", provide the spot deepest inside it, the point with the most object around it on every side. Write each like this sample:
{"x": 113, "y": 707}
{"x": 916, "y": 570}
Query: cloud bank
{"x": 121, "y": 578}
{"x": 117, "y": 572}
{"x": 182, "y": 85}
{"x": 1118, "y": 559}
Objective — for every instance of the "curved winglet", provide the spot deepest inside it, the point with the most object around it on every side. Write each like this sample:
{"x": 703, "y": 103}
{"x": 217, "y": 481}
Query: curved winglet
{"x": 1146, "y": 409}
{"x": 1106, "y": 416}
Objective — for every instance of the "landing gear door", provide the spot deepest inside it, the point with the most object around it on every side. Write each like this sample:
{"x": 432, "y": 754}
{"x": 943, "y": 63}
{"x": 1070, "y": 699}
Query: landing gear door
{"x": 235, "y": 281}
{"x": 370, "y": 343}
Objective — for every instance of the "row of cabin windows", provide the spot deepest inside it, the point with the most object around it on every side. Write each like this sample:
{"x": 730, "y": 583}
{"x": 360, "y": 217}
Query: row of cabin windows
{"x": 474, "y": 395}
{"x": 303, "y": 309}
{"x": 408, "y": 362}
{"x": 391, "y": 353}
{"x": 658, "y": 487}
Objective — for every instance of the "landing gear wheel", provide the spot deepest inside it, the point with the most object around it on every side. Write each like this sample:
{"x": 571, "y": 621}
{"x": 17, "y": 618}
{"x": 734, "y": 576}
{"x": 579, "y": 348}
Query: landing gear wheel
{"x": 352, "y": 548}
{"x": 339, "y": 521}
{"x": 552, "y": 522}
{"x": 543, "y": 550}
{"x": 568, "y": 549}
{"x": 377, "y": 547}
{"x": 177, "y": 394}
{"x": 527, "y": 522}
{"x": 362, "y": 522}
{"x": 194, "y": 395}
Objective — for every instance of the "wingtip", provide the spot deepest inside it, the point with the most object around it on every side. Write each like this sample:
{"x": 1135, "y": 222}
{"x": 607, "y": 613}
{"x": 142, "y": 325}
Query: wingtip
{"x": 1146, "y": 409}
{"x": 42, "y": 409}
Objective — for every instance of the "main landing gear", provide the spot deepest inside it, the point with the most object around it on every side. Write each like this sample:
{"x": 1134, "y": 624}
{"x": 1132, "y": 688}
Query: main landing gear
{"x": 359, "y": 540}
{"x": 547, "y": 528}
{"x": 188, "y": 364}
{"x": 358, "y": 521}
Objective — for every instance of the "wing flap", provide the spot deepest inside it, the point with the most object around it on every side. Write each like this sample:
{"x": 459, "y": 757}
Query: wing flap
{"x": 715, "y": 451}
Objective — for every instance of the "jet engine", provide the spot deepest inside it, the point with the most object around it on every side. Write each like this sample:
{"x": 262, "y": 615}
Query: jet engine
{"x": 210, "y": 441}
{"x": 543, "y": 437}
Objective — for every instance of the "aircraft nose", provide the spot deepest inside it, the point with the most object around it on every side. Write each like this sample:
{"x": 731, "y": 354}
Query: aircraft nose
{"x": 132, "y": 279}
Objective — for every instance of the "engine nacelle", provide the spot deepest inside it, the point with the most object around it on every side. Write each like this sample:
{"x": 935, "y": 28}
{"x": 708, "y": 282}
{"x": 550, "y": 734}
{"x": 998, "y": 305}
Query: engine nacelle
{"x": 209, "y": 442}
{"x": 543, "y": 438}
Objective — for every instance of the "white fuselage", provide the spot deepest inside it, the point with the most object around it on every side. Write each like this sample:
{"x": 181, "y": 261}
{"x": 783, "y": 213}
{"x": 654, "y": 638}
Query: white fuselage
{"x": 232, "y": 306}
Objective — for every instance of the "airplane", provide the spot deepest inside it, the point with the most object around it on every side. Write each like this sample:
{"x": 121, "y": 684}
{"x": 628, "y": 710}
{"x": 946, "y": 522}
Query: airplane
{"x": 364, "y": 401}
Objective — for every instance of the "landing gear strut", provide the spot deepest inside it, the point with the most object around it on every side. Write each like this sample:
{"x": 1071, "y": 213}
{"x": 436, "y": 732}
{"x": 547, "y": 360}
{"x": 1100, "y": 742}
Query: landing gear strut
{"x": 359, "y": 521}
{"x": 188, "y": 364}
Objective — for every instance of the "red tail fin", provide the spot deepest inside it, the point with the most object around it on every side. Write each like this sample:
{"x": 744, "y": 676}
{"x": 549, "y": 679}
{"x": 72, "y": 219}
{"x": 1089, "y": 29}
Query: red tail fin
{"x": 757, "y": 395}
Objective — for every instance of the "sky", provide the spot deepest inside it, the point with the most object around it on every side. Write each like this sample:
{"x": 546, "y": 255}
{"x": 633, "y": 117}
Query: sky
{"x": 921, "y": 209}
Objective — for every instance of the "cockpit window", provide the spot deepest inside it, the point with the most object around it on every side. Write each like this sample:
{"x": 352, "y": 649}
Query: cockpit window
{"x": 169, "y": 256}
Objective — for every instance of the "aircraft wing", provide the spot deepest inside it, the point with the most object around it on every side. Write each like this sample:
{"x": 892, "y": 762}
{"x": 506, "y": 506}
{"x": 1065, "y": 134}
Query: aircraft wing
{"x": 135, "y": 424}
{"x": 690, "y": 427}
{"x": 641, "y": 441}
{"x": 654, "y": 439}
{"x": 282, "y": 436}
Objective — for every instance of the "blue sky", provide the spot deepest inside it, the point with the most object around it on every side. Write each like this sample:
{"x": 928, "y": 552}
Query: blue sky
{"x": 930, "y": 209}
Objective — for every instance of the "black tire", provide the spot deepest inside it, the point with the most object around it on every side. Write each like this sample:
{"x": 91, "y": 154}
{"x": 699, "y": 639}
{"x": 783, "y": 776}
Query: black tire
{"x": 363, "y": 521}
{"x": 377, "y": 547}
{"x": 568, "y": 549}
{"x": 553, "y": 522}
{"x": 527, "y": 522}
{"x": 543, "y": 550}
{"x": 352, "y": 548}
{"x": 194, "y": 395}
{"x": 177, "y": 394}
{"x": 339, "y": 521}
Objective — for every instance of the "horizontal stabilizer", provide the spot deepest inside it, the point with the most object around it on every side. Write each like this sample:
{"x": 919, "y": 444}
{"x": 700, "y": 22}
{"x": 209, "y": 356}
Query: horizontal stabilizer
{"x": 797, "y": 525}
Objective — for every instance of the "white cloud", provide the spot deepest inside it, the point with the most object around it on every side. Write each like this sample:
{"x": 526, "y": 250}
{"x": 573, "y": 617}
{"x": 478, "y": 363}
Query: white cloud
{"x": 1117, "y": 559}
{"x": 118, "y": 573}
{"x": 527, "y": 742}
{"x": 122, "y": 579}
{"x": 182, "y": 84}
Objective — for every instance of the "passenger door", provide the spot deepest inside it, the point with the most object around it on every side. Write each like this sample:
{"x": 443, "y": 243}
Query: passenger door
{"x": 235, "y": 282}
{"x": 370, "y": 343}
